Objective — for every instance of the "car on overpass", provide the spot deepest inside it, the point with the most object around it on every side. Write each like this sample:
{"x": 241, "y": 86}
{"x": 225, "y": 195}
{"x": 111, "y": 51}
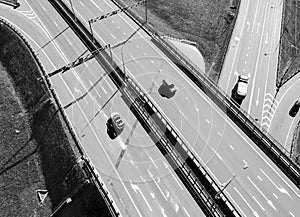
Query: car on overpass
{"x": 239, "y": 92}
{"x": 115, "y": 125}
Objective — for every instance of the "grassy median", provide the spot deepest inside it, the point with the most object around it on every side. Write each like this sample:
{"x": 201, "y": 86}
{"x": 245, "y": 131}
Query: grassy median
{"x": 37, "y": 150}
{"x": 209, "y": 23}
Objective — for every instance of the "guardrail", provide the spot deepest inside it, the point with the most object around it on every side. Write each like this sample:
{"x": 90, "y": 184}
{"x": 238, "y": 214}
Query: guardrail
{"x": 202, "y": 187}
{"x": 13, "y": 3}
{"x": 95, "y": 176}
{"x": 267, "y": 143}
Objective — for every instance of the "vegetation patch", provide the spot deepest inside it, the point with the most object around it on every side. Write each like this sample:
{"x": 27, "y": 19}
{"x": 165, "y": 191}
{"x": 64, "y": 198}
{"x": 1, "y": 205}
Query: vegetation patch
{"x": 37, "y": 150}
{"x": 209, "y": 23}
{"x": 289, "y": 48}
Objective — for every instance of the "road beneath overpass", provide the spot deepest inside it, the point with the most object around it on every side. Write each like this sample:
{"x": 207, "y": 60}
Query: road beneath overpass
{"x": 220, "y": 145}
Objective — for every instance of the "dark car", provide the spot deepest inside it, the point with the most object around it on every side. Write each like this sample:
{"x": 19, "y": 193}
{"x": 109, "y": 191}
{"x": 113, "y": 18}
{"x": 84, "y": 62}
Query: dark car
{"x": 115, "y": 125}
{"x": 295, "y": 108}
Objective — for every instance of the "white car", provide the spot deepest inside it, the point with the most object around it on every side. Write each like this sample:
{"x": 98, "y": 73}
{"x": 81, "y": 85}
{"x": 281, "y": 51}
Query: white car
{"x": 242, "y": 85}
{"x": 239, "y": 92}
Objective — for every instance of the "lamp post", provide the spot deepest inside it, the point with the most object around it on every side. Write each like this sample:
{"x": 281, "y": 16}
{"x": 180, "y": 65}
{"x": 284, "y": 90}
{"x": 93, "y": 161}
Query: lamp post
{"x": 217, "y": 196}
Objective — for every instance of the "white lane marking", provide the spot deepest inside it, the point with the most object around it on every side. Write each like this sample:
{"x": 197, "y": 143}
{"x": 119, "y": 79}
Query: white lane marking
{"x": 248, "y": 48}
{"x": 186, "y": 98}
{"x": 280, "y": 189}
{"x": 96, "y": 6}
{"x": 204, "y": 97}
{"x": 118, "y": 27}
{"x": 112, "y": 21}
{"x": 183, "y": 114}
{"x": 257, "y": 99}
{"x": 260, "y": 179}
{"x": 245, "y": 162}
{"x": 156, "y": 183}
{"x": 109, "y": 84}
{"x": 152, "y": 195}
{"x": 44, "y": 8}
{"x": 131, "y": 161}
{"x": 172, "y": 173}
{"x": 248, "y": 24}
{"x": 258, "y": 25}
{"x": 275, "y": 195}
{"x": 255, "y": 16}
{"x": 207, "y": 121}
{"x": 266, "y": 40}
{"x": 231, "y": 147}
{"x": 186, "y": 212}
{"x": 136, "y": 188}
{"x": 291, "y": 214}
{"x": 216, "y": 153}
{"x": 124, "y": 33}
{"x": 69, "y": 42}
{"x": 256, "y": 65}
{"x": 247, "y": 54}
{"x": 197, "y": 109}
{"x": 264, "y": 196}
{"x": 245, "y": 61}
{"x": 246, "y": 202}
{"x": 58, "y": 49}
{"x": 112, "y": 36}
{"x": 81, "y": 3}
{"x": 220, "y": 134}
{"x": 259, "y": 203}
{"x": 152, "y": 160}
{"x": 55, "y": 23}
{"x": 104, "y": 89}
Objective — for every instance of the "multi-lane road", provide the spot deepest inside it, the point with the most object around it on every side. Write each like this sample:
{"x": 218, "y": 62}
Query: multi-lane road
{"x": 143, "y": 185}
{"x": 254, "y": 51}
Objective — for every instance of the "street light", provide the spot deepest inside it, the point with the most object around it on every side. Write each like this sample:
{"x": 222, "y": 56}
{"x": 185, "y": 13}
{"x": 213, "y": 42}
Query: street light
{"x": 224, "y": 186}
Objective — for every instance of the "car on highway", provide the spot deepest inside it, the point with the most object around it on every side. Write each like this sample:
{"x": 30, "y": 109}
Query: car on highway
{"x": 294, "y": 109}
{"x": 115, "y": 125}
{"x": 239, "y": 92}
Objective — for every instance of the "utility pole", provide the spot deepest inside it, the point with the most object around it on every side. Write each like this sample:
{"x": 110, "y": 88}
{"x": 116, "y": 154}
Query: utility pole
{"x": 217, "y": 196}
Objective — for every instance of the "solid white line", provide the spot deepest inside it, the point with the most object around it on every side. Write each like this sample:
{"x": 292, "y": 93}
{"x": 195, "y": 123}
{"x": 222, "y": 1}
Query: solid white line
{"x": 258, "y": 203}
{"x": 104, "y": 89}
{"x": 160, "y": 190}
{"x": 231, "y": 147}
{"x": 186, "y": 211}
{"x": 113, "y": 36}
{"x": 260, "y": 179}
{"x": 275, "y": 195}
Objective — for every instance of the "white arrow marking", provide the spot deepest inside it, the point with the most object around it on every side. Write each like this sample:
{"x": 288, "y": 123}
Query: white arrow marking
{"x": 266, "y": 41}
{"x": 257, "y": 101}
{"x": 152, "y": 177}
{"x": 163, "y": 212}
{"x": 137, "y": 189}
{"x": 252, "y": 210}
{"x": 264, "y": 196}
{"x": 281, "y": 189}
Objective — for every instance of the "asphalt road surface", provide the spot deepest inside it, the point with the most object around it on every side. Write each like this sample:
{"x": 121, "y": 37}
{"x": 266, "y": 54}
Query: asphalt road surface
{"x": 260, "y": 190}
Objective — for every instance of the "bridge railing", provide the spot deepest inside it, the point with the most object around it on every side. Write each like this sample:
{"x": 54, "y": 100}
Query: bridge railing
{"x": 265, "y": 141}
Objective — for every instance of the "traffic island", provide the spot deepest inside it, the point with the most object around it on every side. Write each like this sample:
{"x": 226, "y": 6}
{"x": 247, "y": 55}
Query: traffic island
{"x": 40, "y": 164}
